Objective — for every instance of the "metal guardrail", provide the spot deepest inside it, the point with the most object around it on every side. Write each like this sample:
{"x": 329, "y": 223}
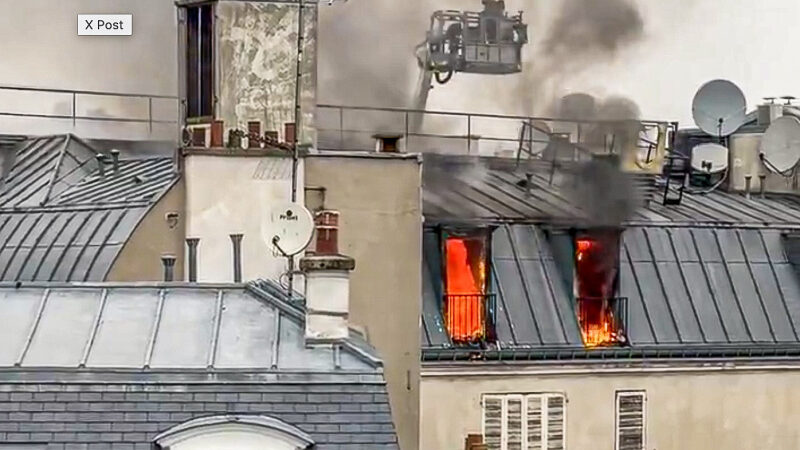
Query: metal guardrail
{"x": 470, "y": 312}
{"x": 74, "y": 95}
{"x": 351, "y": 128}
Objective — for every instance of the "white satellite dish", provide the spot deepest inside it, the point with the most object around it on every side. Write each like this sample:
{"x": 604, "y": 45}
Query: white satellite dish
{"x": 780, "y": 145}
{"x": 719, "y": 108}
{"x": 709, "y": 158}
{"x": 290, "y": 229}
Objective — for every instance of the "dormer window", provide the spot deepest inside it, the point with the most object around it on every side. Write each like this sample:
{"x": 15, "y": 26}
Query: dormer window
{"x": 200, "y": 61}
{"x": 601, "y": 314}
{"x": 468, "y": 304}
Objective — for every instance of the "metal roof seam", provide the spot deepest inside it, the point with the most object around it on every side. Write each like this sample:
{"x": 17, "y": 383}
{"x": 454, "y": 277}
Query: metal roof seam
{"x": 755, "y": 285}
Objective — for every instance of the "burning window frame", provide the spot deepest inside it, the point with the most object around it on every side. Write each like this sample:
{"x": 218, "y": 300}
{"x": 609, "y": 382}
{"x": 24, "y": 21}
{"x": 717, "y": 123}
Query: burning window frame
{"x": 602, "y": 315}
{"x": 480, "y": 304}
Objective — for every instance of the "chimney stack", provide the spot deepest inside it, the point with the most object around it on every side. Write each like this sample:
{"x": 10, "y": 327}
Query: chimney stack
{"x": 192, "y": 243}
{"x": 217, "y": 132}
{"x": 236, "y": 241}
{"x": 387, "y": 143}
{"x": 168, "y": 261}
{"x": 327, "y": 275}
{"x": 253, "y": 134}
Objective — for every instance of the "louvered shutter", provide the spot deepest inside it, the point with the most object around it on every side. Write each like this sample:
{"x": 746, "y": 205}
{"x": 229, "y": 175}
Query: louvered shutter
{"x": 533, "y": 422}
{"x": 513, "y": 423}
{"x": 493, "y": 422}
{"x": 555, "y": 422}
{"x": 630, "y": 420}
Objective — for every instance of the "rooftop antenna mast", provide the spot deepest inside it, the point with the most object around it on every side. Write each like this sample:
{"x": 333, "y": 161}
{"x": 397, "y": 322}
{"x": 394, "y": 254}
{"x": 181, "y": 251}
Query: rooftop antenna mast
{"x": 298, "y": 116}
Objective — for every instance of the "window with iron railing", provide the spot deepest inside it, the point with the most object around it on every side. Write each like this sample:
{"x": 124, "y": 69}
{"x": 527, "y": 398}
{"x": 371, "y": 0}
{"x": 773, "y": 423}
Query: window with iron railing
{"x": 602, "y": 315}
{"x": 468, "y": 304}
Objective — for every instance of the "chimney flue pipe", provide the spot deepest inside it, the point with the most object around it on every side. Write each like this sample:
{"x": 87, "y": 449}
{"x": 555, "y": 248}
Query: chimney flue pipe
{"x": 192, "y": 243}
{"x": 236, "y": 240}
{"x": 327, "y": 227}
{"x": 762, "y": 186}
{"x": 168, "y": 261}
{"x": 101, "y": 164}
{"x": 747, "y": 180}
{"x": 115, "y": 160}
{"x": 528, "y": 184}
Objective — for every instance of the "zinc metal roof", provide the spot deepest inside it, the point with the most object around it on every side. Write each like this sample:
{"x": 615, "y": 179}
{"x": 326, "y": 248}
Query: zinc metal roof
{"x": 143, "y": 327}
{"x": 457, "y": 189}
{"x": 687, "y": 287}
{"x": 60, "y": 220}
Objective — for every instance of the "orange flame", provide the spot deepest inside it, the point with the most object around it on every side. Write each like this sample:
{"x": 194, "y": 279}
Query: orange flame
{"x": 465, "y": 282}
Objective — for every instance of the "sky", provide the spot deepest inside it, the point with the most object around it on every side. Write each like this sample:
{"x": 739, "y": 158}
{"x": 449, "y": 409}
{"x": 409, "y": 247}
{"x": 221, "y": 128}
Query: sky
{"x": 686, "y": 43}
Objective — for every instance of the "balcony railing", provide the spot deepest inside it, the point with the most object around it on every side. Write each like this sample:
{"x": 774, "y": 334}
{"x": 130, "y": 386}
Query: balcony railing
{"x": 603, "y": 321}
{"x": 470, "y": 318}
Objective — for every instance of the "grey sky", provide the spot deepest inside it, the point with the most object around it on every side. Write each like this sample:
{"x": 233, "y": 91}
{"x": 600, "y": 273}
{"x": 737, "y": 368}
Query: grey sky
{"x": 687, "y": 42}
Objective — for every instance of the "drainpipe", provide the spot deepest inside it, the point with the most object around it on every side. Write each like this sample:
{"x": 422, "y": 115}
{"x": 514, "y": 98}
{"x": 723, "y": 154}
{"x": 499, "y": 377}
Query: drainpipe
{"x": 168, "y": 261}
{"x": 192, "y": 244}
{"x": 236, "y": 240}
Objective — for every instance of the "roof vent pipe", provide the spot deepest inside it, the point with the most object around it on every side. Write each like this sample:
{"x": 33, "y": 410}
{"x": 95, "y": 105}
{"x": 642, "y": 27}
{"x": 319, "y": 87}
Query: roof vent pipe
{"x": 528, "y": 182}
{"x": 168, "y": 261}
{"x": 192, "y": 243}
{"x": 115, "y": 160}
{"x": 762, "y": 187}
{"x": 747, "y": 180}
{"x": 101, "y": 164}
{"x": 236, "y": 240}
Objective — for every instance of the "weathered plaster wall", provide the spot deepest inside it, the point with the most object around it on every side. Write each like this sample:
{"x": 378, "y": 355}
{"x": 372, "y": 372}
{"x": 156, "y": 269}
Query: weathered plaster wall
{"x": 735, "y": 410}
{"x": 233, "y": 194}
{"x": 257, "y": 65}
{"x": 140, "y": 258}
{"x": 381, "y": 227}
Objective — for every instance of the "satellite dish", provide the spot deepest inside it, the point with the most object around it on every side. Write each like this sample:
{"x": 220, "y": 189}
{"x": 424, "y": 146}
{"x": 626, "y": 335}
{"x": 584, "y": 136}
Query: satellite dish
{"x": 709, "y": 158}
{"x": 780, "y": 145}
{"x": 290, "y": 229}
{"x": 719, "y": 108}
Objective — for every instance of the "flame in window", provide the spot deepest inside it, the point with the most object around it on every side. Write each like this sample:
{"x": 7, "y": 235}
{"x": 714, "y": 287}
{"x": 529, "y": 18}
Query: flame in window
{"x": 596, "y": 260}
{"x": 466, "y": 287}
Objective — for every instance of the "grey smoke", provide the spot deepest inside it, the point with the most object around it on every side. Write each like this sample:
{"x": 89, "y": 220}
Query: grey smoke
{"x": 583, "y": 35}
{"x": 591, "y": 30}
{"x": 603, "y": 192}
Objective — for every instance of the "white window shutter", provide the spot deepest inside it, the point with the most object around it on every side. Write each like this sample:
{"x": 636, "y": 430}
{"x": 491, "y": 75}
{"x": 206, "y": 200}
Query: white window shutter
{"x": 533, "y": 422}
{"x": 555, "y": 422}
{"x": 513, "y": 435}
{"x": 630, "y": 421}
{"x": 493, "y": 422}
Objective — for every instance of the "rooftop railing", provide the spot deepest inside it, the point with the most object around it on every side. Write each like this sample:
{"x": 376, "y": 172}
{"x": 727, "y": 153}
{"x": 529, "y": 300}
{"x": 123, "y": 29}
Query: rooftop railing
{"x": 89, "y": 113}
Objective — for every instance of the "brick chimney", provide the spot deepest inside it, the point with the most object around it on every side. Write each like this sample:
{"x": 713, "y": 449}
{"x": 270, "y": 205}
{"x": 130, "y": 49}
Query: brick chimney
{"x": 327, "y": 275}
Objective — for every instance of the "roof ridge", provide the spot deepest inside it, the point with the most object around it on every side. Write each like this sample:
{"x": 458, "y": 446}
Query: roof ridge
{"x": 359, "y": 348}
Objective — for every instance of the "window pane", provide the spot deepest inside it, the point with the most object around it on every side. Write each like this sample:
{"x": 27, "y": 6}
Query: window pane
{"x": 192, "y": 61}
{"x": 206, "y": 60}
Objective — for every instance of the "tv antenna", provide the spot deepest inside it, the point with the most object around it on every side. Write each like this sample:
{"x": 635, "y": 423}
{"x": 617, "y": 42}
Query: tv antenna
{"x": 780, "y": 146}
{"x": 719, "y": 108}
